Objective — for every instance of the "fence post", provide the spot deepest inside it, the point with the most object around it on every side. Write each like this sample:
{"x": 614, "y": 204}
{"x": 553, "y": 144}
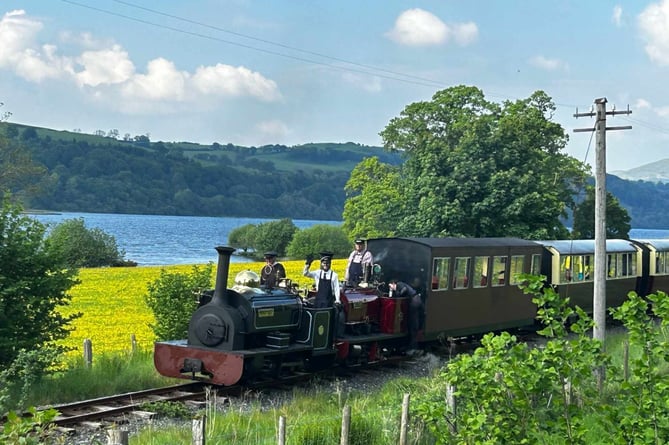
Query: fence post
{"x": 199, "y": 431}
{"x": 133, "y": 343}
{"x": 405, "y": 419}
{"x": 88, "y": 352}
{"x": 451, "y": 407}
{"x": 282, "y": 430}
{"x": 345, "y": 425}
{"x": 116, "y": 436}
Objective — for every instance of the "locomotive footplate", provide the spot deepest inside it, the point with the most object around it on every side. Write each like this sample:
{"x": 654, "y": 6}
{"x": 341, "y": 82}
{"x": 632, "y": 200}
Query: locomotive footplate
{"x": 357, "y": 339}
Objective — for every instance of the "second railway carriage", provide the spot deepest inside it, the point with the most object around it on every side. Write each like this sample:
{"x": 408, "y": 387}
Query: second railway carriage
{"x": 569, "y": 267}
{"x": 654, "y": 265}
{"x": 469, "y": 285}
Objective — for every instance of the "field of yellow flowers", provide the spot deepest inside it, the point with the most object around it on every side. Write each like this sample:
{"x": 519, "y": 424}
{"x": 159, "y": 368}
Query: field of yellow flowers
{"x": 113, "y": 306}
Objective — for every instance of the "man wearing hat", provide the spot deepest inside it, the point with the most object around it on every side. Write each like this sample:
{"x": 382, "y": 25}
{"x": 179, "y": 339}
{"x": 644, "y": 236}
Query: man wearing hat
{"x": 358, "y": 260}
{"x": 325, "y": 279}
{"x": 272, "y": 272}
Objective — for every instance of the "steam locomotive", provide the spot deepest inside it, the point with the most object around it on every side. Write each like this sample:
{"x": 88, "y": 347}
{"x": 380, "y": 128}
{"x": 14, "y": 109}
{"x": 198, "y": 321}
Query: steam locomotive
{"x": 469, "y": 286}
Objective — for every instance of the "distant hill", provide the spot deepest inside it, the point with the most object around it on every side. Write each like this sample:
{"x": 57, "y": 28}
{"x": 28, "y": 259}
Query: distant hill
{"x": 94, "y": 173}
{"x": 654, "y": 172}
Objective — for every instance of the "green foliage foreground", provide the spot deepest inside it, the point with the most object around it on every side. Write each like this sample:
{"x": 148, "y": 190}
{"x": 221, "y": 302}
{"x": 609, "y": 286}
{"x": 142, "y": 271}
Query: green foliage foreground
{"x": 511, "y": 392}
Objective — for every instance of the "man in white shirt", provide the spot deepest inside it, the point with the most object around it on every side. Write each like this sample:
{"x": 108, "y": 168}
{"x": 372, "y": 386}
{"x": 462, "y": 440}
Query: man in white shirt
{"x": 326, "y": 281}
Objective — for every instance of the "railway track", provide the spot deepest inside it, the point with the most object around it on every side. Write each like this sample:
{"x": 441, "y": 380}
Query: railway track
{"x": 113, "y": 408}
{"x": 120, "y": 409}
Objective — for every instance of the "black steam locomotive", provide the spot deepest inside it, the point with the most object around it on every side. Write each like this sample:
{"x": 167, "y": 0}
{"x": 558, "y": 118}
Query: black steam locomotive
{"x": 469, "y": 286}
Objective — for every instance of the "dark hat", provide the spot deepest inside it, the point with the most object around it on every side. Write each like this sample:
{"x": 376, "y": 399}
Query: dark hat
{"x": 359, "y": 241}
{"x": 270, "y": 254}
{"x": 326, "y": 256}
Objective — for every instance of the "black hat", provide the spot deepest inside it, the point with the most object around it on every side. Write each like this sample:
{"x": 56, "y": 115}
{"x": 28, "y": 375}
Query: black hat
{"x": 270, "y": 254}
{"x": 359, "y": 241}
{"x": 326, "y": 256}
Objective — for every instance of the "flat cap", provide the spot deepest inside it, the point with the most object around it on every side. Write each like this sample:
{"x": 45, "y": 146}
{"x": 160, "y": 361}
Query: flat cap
{"x": 270, "y": 254}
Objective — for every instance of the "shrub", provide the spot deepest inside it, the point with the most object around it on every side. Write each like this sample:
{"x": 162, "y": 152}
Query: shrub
{"x": 274, "y": 235}
{"x": 84, "y": 247}
{"x": 319, "y": 238}
{"x": 173, "y": 297}
{"x": 242, "y": 237}
{"x": 33, "y": 287}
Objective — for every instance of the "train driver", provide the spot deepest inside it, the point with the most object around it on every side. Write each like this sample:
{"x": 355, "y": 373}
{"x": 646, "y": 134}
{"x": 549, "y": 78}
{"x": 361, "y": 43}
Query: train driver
{"x": 400, "y": 289}
{"x": 325, "y": 279}
{"x": 358, "y": 261}
{"x": 272, "y": 272}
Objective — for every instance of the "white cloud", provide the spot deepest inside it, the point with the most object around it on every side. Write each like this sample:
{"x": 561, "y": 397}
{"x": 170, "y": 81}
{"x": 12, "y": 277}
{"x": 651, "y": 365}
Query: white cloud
{"x": 19, "y": 52}
{"x": 465, "y": 33}
{"x": 107, "y": 66}
{"x": 654, "y": 25}
{"x": 162, "y": 82}
{"x": 617, "y": 15}
{"x": 272, "y": 130}
{"x": 417, "y": 27}
{"x": 547, "y": 64}
{"x": 642, "y": 103}
{"x": 106, "y": 72}
{"x": 225, "y": 80}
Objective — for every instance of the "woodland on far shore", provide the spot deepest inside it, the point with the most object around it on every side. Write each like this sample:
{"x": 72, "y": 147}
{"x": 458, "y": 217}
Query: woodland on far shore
{"x": 98, "y": 173}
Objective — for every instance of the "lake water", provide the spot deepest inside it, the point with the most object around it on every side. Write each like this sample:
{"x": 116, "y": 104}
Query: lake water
{"x": 162, "y": 240}
{"x": 157, "y": 240}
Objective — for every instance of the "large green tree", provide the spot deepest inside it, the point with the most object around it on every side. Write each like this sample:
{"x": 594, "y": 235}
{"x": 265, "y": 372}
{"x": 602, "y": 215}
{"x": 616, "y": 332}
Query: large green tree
{"x": 370, "y": 189}
{"x": 478, "y": 168}
{"x": 617, "y": 219}
{"x": 34, "y": 282}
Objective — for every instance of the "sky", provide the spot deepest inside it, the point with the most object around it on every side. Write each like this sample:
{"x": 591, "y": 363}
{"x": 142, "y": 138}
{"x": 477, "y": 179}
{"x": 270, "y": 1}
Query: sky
{"x": 291, "y": 72}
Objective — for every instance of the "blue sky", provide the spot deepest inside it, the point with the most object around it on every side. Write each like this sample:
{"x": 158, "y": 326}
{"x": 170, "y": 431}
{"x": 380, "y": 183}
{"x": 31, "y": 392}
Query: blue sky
{"x": 290, "y": 72}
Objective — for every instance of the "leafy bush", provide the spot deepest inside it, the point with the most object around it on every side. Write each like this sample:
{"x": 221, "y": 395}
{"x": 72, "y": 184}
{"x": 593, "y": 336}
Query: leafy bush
{"x": 274, "y": 235}
{"x": 319, "y": 238}
{"x": 33, "y": 430}
{"x": 173, "y": 297}
{"x": 33, "y": 287}
{"x": 243, "y": 237}
{"x": 84, "y": 247}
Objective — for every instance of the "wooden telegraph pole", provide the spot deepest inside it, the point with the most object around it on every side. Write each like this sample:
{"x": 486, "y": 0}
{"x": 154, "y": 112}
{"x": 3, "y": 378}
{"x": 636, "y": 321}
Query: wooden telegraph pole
{"x": 599, "y": 297}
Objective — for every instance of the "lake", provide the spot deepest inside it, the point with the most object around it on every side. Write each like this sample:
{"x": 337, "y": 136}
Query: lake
{"x": 157, "y": 239}
{"x": 162, "y": 240}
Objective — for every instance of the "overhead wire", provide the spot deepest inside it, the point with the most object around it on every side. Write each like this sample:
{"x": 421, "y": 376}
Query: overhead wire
{"x": 281, "y": 45}
{"x": 362, "y": 68}
{"x": 425, "y": 82}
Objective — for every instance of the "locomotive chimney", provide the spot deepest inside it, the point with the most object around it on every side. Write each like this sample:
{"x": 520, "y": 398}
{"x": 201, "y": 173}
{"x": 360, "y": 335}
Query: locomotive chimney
{"x": 224, "y": 254}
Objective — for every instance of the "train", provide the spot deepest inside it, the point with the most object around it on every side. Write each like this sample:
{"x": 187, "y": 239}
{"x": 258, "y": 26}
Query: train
{"x": 468, "y": 287}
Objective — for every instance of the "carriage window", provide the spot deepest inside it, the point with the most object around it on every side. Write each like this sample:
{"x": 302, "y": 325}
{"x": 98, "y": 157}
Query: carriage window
{"x": 499, "y": 270}
{"x": 565, "y": 269}
{"x": 480, "y": 275}
{"x": 621, "y": 265}
{"x": 461, "y": 273}
{"x": 662, "y": 263}
{"x": 517, "y": 267}
{"x": 440, "y": 273}
{"x": 536, "y": 264}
